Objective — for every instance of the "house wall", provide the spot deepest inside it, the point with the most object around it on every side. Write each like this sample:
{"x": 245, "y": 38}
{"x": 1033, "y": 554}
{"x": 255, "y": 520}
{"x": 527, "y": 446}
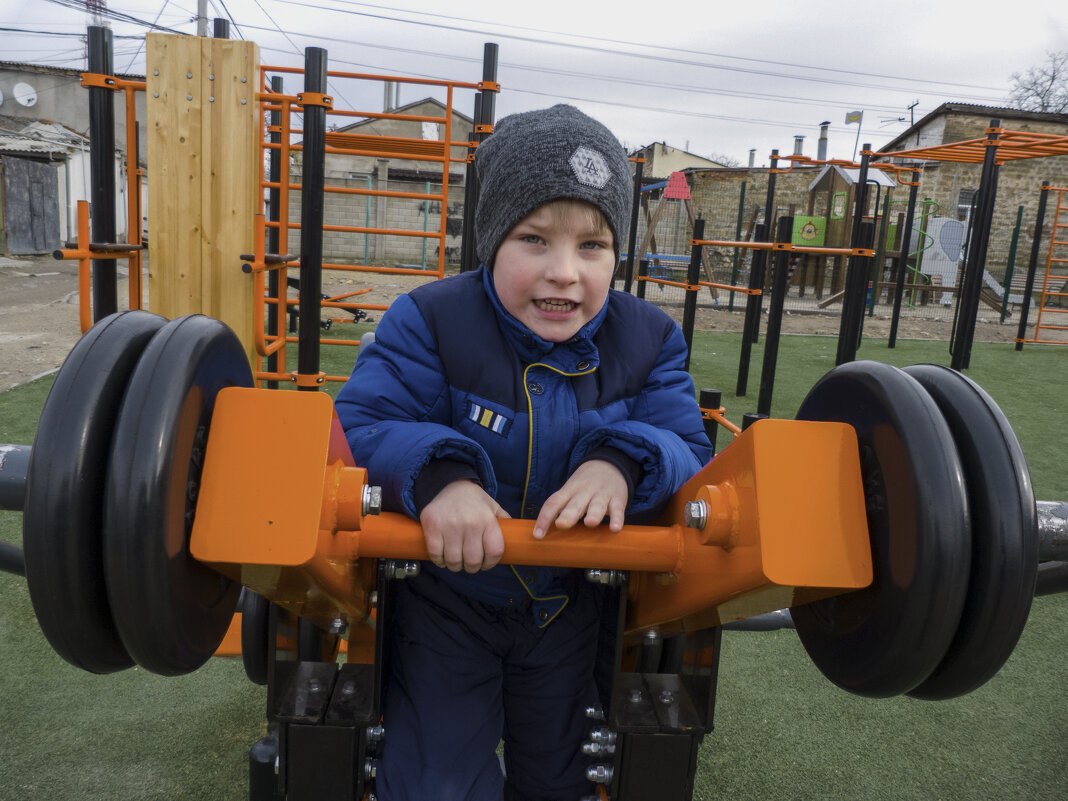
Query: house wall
{"x": 1018, "y": 183}
{"x": 408, "y": 214}
{"x": 62, "y": 99}
{"x": 661, "y": 160}
{"x": 344, "y": 171}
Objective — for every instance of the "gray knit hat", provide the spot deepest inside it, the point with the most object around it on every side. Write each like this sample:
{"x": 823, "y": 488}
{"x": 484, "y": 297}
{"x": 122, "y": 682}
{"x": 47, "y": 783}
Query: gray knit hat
{"x": 536, "y": 157}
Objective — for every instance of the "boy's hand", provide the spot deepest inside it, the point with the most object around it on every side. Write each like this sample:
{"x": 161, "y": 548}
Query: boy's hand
{"x": 597, "y": 488}
{"x": 460, "y": 528}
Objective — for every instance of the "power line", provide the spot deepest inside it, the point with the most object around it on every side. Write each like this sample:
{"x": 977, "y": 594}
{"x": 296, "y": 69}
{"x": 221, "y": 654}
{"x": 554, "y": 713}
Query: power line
{"x": 643, "y": 56}
{"x": 660, "y": 47}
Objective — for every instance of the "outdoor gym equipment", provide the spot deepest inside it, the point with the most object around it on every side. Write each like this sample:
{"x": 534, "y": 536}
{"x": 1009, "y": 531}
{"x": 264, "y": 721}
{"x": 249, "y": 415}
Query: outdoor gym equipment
{"x": 907, "y": 552}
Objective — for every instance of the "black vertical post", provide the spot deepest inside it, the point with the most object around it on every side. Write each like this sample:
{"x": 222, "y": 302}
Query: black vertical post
{"x": 853, "y": 301}
{"x": 737, "y": 251}
{"x": 752, "y": 310}
{"x": 964, "y": 331}
{"x": 485, "y": 106}
{"x": 102, "y": 171}
{"x": 1032, "y": 265}
{"x": 643, "y": 271}
{"x": 489, "y": 75}
{"x": 693, "y": 276}
{"x": 858, "y": 267}
{"x": 778, "y": 298}
{"x": 632, "y": 236}
{"x": 468, "y": 251}
{"x": 711, "y": 399}
{"x": 221, "y": 28}
{"x": 903, "y": 259}
{"x": 313, "y": 180}
{"x": 274, "y": 233}
{"x": 757, "y": 301}
{"x": 1010, "y": 264}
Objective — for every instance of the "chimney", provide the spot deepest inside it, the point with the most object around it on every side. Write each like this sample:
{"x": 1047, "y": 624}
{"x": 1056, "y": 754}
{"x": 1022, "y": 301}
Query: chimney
{"x": 752, "y": 158}
{"x": 387, "y": 100}
{"x": 821, "y": 148}
{"x": 799, "y": 145}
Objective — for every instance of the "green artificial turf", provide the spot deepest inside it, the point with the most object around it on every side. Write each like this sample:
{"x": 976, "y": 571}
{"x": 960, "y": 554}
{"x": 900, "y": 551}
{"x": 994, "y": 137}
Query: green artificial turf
{"x": 782, "y": 731}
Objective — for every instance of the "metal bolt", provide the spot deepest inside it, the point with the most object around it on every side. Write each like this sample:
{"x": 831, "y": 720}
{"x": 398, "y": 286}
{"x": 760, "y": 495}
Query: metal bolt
{"x": 188, "y": 97}
{"x": 211, "y": 77}
{"x": 370, "y": 768}
{"x": 695, "y": 514}
{"x": 372, "y": 500}
{"x": 603, "y": 736}
{"x": 651, "y": 636}
{"x": 211, "y": 98}
{"x": 600, "y": 773}
{"x": 635, "y": 696}
{"x": 243, "y": 101}
{"x": 338, "y": 626}
{"x": 155, "y": 72}
{"x": 666, "y": 696}
{"x": 401, "y": 570}
{"x": 155, "y": 94}
{"x": 372, "y": 599}
{"x": 375, "y": 733}
{"x": 594, "y": 713}
{"x": 314, "y": 686}
{"x": 611, "y": 578}
{"x": 189, "y": 75}
{"x": 591, "y": 749}
{"x": 244, "y": 80}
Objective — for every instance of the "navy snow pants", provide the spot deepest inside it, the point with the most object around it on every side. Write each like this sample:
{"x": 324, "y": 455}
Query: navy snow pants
{"x": 464, "y": 675}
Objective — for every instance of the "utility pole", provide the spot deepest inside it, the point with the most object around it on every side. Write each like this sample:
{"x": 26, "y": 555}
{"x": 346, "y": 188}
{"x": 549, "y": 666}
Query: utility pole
{"x": 202, "y": 17}
{"x": 912, "y": 112}
{"x": 96, "y": 9}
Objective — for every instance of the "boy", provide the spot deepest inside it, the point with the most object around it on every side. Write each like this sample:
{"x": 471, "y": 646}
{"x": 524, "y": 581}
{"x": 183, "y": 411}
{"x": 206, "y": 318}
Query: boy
{"x": 523, "y": 389}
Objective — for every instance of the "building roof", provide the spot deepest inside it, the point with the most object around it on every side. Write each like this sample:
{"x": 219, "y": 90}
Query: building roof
{"x": 850, "y": 175}
{"x": 666, "y": 147}
{"x": 20, "y": 66}
{"x": 989, "y": 112}
{"x": 38, "y": 138}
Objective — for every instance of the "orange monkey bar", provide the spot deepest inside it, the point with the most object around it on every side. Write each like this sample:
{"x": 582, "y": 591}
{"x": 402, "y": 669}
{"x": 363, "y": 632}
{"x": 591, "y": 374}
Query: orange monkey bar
{"x": 302, "y": 538}
{"x": 1011, "y": 145}
{"x": 345, "y": 143}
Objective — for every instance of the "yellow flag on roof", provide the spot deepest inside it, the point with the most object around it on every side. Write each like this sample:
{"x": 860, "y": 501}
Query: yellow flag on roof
{"x": 854, "y": 117}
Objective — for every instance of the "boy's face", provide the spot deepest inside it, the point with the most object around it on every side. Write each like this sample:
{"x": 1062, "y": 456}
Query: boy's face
{"x": 553, "y": 270}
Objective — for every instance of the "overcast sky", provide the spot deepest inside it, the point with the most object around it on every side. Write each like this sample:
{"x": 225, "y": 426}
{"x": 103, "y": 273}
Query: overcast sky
{"x": 712, "y": 77}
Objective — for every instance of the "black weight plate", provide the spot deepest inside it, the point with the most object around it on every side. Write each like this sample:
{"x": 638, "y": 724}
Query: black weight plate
{"x": 171, "y": 611}
{"x": 886, "y": 639}
{"x": 63, "y": 509}
{"x": 255, "y": 631}
{"x": 1004, "y": 559}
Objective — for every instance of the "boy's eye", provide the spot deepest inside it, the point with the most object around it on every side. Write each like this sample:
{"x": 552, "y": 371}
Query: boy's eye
{"x": 534, "y": 239}
{"x": 594, "y": 244}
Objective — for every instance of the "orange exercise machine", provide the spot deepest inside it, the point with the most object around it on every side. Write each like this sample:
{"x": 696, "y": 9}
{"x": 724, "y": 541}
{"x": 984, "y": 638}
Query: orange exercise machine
{"x": 161, "y": 486}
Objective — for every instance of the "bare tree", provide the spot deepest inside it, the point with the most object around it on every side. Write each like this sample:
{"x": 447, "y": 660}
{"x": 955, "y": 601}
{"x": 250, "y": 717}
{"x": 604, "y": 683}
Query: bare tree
{"x": 725, "y": 160}
{"x": 1043, "y": 87}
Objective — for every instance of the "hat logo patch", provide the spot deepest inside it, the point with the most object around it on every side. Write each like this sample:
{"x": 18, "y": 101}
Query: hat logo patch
{"x": 590, "y": 167}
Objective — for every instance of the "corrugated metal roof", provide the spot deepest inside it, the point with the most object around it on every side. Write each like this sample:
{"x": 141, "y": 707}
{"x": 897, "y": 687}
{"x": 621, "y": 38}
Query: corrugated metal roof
{"x": 850, "y": 175}
{"x": 38, "y": 138}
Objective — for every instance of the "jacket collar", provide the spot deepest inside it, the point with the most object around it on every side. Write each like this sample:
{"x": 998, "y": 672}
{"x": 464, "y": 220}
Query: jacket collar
{"x": 531, "y": 348}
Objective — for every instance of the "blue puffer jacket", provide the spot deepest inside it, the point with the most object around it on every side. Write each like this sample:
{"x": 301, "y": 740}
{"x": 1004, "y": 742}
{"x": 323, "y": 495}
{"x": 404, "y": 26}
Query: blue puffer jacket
{"x": 452, "y": 375}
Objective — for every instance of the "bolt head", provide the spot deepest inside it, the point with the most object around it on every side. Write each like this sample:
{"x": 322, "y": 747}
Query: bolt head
{"x": 695, "y": 514}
